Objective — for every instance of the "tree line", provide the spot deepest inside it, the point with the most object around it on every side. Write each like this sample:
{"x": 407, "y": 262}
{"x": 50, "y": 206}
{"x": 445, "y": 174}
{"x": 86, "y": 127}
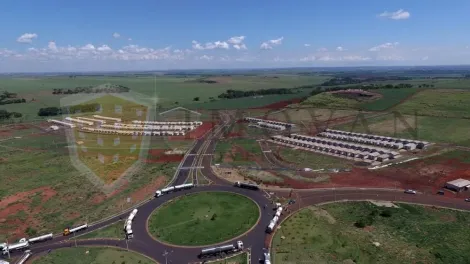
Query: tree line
{"x": 54, "y": 111}
{"x": 357, "y": 80}
{"x": 5, "y": 115}
{"x": 229, "y": 94}
{"x": 10, "y": 98}
{"x": 93, "y": 89}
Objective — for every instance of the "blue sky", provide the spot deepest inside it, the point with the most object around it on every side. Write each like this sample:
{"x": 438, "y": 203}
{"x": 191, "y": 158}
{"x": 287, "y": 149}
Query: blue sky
{"x": 53, "y": 35}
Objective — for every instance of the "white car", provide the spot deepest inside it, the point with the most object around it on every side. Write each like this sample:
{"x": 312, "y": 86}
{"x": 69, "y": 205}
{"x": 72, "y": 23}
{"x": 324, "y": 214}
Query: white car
{"x": 467, "y": 200}
{"x": 410, "y": 191}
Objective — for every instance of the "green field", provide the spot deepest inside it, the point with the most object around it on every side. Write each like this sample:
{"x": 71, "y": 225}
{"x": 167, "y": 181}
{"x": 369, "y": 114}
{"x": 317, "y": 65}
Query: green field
{"x": 432, "y": 129}
{"x": 112, "y": 231}
{"x": 40, "y": 187}
{"x": 312, "y": 160}
{"x": 203, "y": 218}
{"x": 168, "y": 91}
{"x": 92, "y": 255}
{"x": 225, "y": 146}
{"x": 345, "y": 233}
{"x": 391, "y": 97}
{"x": 439, "y": 103}
{"x": 327, "y": 100}
{"x": 238, "y": 259}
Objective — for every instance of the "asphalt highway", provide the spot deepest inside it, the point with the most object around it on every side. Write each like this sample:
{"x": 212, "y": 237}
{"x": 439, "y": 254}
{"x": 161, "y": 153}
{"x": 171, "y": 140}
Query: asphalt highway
{"x": 255, "y": 239}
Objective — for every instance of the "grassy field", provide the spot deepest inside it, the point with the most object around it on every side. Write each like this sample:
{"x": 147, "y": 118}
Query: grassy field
{"x": 167, "y": 90}
{"x": 40, "y": 191}
{"x": 345, "y": 233}
{"x": 92, "y": 255}
{"x": 440, "y": 103}
{"x": 238, "y": 259}
{"x": 327, "y": 100}
{"x": 113, "y": 231}
{"x": 310, "y": 115}
{"x": 203, "y": 218}
{"x": 312, "y": 160}
{"x": 433, "y": 129}
{"x": 391, "y": 97}
{"x": 225, "y": 146}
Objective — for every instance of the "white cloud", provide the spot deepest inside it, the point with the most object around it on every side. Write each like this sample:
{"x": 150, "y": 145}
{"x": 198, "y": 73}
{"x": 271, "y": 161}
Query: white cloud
{"x": 349, "y": 58}
{"x": 390, "y": 58}
{"x": 197, "y": 45}
{"x": 356, "y": 58}
{"x": 322, "y": 49}
{"x": 104, "y": 48}
{"x": 88, "y": 47}
{"x": 52, "y": 46}
{"x": 27, "y": 37}
{"x": 240, "y": 46}
{"x": 307, "y": 45}
{"x": 397, "y": 15}
{"x": 130, "y": 39}
{"x": 205, "y": 57}
{"x": 425, "y": 58}
{"x": 340, "y": 48}
{"x": 308, "y": 58}
{"x": 236, "y": 40}
{"x": 388, "y": 45}
{"x": 210, "y": 45}
{"x": 270, "y": 43}
{"x": 116, "y": 35}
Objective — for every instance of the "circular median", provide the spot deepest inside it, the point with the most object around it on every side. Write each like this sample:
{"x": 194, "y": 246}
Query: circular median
{"x": 203, "y": 218}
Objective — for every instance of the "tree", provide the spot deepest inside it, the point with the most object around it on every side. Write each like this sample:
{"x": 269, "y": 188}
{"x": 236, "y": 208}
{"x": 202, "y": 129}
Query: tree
{"x": 196, "y": 99}
{"x": 214, "y": 216}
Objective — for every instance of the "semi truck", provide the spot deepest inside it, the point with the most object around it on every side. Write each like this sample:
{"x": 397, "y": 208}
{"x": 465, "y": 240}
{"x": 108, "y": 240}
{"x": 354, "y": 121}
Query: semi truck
{"x": 15, "y": 246}
{"x": 224, "y": 249}
{"x": 267, "y": 258}
{"x": 68, "y": 231}
{"x": 128, "y": 224}
{"x": 40, "y": 238}
{"x": 274, "y": 221}
{"x": 25, "y": 257}
{"x": 247, "y": 185}
{"x": 170, "y": 189}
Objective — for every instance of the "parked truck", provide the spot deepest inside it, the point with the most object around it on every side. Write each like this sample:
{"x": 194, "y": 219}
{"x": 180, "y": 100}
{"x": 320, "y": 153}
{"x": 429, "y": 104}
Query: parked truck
{"x": 68, "y": 231}
{"x": 247, "y": 185}
{"x": 225, "y": 249}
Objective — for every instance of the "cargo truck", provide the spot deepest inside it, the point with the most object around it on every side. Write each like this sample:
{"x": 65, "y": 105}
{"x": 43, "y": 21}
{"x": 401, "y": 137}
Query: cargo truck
{"x": 69, "y": 231}
{"x": 15, "y": 246}
{"x": 220, "y": 250}
{"x": 40, "y": 238}
{"x": 247, "y": 185}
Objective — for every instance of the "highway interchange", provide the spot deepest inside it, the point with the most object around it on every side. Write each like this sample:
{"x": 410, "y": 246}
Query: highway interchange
{"x": 256, "y": 238}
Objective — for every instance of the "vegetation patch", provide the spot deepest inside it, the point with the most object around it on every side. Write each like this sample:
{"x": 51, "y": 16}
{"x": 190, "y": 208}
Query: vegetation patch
{"x": 203, "y": 218}
{"x": 310, "y": 160}
{"x": 112, "y": 231}
{"x": 94, "y": 255}
{"x": 390, "y": 98}
{"x": 360, "y": 232}
{"x": 238, "y": 259}
{"x": 328, "y": 100}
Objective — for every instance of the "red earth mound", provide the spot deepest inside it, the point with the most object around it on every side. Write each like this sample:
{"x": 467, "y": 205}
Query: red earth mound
{"x": 281, "y": 104}
{"x": 159, "y": 156}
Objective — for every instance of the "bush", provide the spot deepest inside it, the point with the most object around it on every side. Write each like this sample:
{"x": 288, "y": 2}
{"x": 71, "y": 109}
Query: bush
{"x": 360, "y": 224}
{"x": 386, "y": 213}
{"x": 31, "y": 231}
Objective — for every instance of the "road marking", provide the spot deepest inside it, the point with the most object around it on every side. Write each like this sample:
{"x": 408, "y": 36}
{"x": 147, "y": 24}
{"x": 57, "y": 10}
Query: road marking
{"x": 190, "y": 168}
{"x": 267, "y": 151}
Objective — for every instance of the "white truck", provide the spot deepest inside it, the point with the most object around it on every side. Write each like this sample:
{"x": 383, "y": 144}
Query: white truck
{"x": 224, "y": 249}
{"x": 128, "y": 224}
{"x": 170, "y": 189}
{"x": 15, "y": 246}
{"x": 69, "y": 231}
{"x": 164, "y": 191}
{"x": 267, "y": 258}
{"x": 41, "y": 238}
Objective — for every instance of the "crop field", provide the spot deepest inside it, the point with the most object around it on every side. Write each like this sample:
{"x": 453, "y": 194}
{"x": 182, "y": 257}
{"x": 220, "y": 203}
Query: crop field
{"x": 439, "y": 103}
{"x": 361, "y": 232}
{"x": 214, "y": 217}
{"x": 390, "y": 98}
{"x": 94, "y": 255}
{"x": 39, "y": 193}
{"x": 429, "y": 128}
{"x": 238, "y": 259}
{"x": 167, "y": 91}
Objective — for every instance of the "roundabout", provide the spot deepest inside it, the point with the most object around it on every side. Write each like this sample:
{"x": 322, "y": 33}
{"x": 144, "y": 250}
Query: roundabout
{"x": 204, "y": 218}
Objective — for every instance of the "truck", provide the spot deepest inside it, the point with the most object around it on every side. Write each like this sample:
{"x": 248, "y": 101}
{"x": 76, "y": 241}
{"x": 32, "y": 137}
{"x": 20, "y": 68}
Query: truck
{"x": 184, "y": 186}
{"x": 272, "y": 225}
{"x": 15, "y": 246}
{"x": 247, "y": 185}
{"x": 68, "y": 231}
{"x": 267, "y": 258}
{"x": 161, "y": 192}
{"x": 278, "y": 212}
{"x": 40, "y": 238}
{"x": 220, "y": 250}
{"x": 25, "y": 257}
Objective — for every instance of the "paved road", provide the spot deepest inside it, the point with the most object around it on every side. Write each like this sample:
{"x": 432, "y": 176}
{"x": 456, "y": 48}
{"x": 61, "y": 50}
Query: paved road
{"x": 255, "y": 239}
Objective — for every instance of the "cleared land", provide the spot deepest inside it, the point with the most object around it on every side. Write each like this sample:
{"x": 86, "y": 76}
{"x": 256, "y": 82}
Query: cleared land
{"x": 203, "y": 218}
{"x": 433, "y": 129}
{"x": 39, "y": 189}
{"x": 361, "y": 232}
{"x": 308, "y": 159}
{"x": 237, "y": 151}
{"x": 439, "y": 103}
{"x": 113, "y": 231}
{"x": 238, "y": 259}
{"x": 92, "y": 255}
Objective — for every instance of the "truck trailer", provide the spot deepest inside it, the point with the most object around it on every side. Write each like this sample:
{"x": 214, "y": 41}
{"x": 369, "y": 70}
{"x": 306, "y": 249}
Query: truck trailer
{"x": 40, "y": 238}
{"x": 164, "y": 191}
{"x": 267, "y": 258}
{"x": 15, "y": 246}
{"x": 69, "y": 231}
{"x": 225, "y": 249}
{"x": 247, "y": 185}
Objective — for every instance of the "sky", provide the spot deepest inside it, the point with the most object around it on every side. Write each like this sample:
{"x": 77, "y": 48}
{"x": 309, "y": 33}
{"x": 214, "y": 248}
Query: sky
{"x": 104, "y": 35}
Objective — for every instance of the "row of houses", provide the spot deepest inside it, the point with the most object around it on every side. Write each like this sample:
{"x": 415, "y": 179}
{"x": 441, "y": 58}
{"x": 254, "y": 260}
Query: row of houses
{"x": 169, "y": 123}
{"x": 263, "y": 123}
{"x": 407, "y": 144}
{"x": 150, "y": 127}
{"x": 130, "y": 132}
{"x": 338, "y": 149}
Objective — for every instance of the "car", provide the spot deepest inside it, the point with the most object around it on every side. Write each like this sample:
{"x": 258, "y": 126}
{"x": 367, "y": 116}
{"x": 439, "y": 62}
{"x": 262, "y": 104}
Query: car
{"x": 409, "y": 191}
{"x": 440, "y": 192}
{"x": 467, "y": 200}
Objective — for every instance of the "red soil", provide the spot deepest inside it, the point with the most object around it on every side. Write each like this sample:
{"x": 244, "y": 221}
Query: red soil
{"x": 148, "y": 189}
{"x": 159, "y": 156}
{"x": 120, "y": 189}
{"x": 281, "y": 104}
{"x": 196, "y": 133}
